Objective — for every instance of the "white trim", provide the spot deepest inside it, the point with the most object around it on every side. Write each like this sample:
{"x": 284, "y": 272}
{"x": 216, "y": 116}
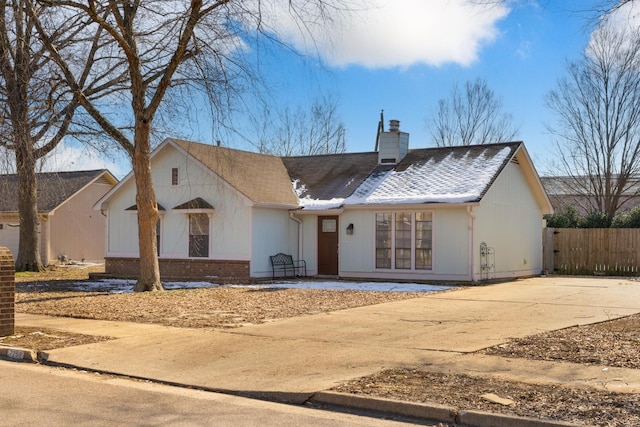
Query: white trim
{"x": 385, "y": 207}
{"x": 274, "y": 206}
{"x": 417, "y": 275}
{"x": 320, "y": 212}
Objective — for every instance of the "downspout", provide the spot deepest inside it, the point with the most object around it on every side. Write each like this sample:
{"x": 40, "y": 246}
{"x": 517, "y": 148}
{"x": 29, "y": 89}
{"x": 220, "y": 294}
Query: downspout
{"x": 299, "y": 221}
{"x": 472, "y": 259}
{"x": 103, "y": 212}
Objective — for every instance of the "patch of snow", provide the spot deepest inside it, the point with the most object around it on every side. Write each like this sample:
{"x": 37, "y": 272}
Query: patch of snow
{"x": 317, "y": 204}
{"x": 298, "y": 187}
{"x": 126, "y": 286}
{"x": 368, "y": 187}
{"x": 450, "y": 180}
{"x": 357, "y": 286}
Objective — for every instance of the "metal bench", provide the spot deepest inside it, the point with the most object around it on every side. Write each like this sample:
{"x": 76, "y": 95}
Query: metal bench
{"x": 285, "y": 263}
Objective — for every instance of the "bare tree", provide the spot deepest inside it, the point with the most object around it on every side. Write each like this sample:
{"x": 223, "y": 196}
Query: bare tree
{"x": 304, "y": 133}
{"x": 598, "y": 120}
{"x": 36, "y": 107}
{"x": 470, "y": 116}
{"x": 168, "y": 45}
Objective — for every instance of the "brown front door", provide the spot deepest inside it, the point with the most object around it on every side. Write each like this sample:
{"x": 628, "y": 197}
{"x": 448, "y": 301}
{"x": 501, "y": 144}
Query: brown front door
{"x": 328, "y": 245}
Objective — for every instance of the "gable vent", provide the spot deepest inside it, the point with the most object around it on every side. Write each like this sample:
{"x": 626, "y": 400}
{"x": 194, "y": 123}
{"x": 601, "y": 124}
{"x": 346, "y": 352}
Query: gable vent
{"x": 103, "y": 180}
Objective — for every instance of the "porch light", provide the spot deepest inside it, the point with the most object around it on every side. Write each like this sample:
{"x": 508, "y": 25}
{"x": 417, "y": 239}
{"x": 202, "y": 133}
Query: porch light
{"x": 350, "y": 229}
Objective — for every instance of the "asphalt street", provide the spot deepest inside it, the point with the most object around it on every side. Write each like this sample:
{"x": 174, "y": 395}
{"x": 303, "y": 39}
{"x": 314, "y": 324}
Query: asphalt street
{"x": 42, "y": 395}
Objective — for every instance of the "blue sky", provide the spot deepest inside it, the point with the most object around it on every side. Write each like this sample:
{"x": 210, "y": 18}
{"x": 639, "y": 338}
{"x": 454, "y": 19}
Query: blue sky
{"x": 404, "y": 55}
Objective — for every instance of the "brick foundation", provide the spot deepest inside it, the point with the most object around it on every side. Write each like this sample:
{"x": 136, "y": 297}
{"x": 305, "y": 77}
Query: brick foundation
{"x": 7, "y": 293}
{"x": 200, "y": 269}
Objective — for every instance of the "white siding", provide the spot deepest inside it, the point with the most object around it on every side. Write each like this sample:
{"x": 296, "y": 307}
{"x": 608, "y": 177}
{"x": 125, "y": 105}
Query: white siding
{"x": 509, "y": 220}
{"x": 230, "y": 223}
{"x": 10, "y": 233}
{"x": 10, "y": 236}
{"x": 273, "y": 232}
{"x": 121, "y": 224}
{"x": 357, "y": 251}
{"x": 310, "y": 243}
{"x": 451, "y": 242}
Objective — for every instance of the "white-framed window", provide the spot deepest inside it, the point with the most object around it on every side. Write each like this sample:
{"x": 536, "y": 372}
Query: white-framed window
{"x": 404, "y": 240}
{"x": 199, "y": 235}
{"x": 383, "y": 240}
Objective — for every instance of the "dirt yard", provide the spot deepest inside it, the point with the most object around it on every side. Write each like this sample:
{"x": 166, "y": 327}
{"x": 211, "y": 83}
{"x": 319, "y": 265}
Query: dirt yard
{"x": 612, "y": 343}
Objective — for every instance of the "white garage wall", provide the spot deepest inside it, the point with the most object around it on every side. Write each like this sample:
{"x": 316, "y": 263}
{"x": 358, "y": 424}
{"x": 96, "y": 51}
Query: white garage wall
{"x": 10, "y": 233}
{"x": 509, "y": 220}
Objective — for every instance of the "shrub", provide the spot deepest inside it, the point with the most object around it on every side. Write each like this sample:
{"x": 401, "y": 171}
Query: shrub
{"x": 630, "y": 219}
{"x": 568, "y": 217}
{"x": 595, "y": 219}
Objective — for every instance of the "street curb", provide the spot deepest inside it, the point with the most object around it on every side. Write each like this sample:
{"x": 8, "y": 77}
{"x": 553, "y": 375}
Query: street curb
{"x": 482, "y": 419}
{"x": 425, "y": 411}
{"x": 432, "y": 411}
{"x": 387, "y": 406}
{"x": 18, "y": 354}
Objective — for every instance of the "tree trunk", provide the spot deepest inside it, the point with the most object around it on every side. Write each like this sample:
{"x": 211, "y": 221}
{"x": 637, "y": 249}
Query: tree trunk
{"x": 149, "y": 278}
{"x": 28, "y": 258}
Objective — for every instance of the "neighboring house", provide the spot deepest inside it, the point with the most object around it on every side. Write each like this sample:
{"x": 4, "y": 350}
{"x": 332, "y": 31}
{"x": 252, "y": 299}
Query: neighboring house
{"x": 69, "y": 228}
{"x": 572, "y": 191}
{"x": 419, "y": 215}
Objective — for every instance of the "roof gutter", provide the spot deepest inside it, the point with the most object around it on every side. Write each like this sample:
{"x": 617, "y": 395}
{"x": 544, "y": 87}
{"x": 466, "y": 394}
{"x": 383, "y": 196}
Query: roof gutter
{"x": 335, "y": 211}
{"x": 274, "y": 205}
{"x": 385, "y": 206}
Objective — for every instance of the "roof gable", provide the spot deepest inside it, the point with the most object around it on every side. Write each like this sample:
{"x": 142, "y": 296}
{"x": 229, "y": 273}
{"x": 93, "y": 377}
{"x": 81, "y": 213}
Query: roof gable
{"x": 54, "y": 188}
{"x": 261, "y": 178}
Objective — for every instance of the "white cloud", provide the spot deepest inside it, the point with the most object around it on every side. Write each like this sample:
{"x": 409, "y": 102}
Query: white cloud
{"x": 401, "y": 33}
{"x": 626, "y": 18}
{"x": 67, "y": 157}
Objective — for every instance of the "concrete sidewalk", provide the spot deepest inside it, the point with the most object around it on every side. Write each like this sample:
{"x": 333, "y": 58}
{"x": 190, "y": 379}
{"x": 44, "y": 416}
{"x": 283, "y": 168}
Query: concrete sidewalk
{"x": 291, "y": 359}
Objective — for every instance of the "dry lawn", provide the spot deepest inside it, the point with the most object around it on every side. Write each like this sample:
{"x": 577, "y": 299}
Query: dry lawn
{"x": 613, "y": 343}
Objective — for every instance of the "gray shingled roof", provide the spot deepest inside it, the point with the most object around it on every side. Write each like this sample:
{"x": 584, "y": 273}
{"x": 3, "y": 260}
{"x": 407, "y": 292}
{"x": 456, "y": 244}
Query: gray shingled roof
{"x": 53, "y": 188}
{"x": 330, "y": 176}
{"x": 424, "y": 175}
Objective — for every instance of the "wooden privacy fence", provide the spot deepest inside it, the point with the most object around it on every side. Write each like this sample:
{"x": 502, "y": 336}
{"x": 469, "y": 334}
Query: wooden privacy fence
{"x": 606, "y": 251}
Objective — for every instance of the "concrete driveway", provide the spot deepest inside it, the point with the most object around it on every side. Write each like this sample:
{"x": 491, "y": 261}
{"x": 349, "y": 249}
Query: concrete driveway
{"x": 293, "y": 358}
